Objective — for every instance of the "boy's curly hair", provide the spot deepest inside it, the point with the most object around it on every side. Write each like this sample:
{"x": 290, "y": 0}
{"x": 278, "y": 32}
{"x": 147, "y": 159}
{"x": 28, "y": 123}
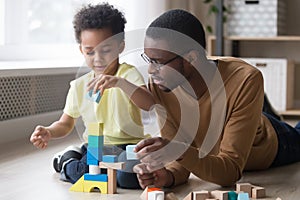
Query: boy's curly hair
{"x": 99, "y": 16}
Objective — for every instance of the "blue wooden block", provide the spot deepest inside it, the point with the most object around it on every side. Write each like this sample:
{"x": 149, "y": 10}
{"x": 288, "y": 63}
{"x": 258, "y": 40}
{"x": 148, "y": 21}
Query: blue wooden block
{"x": 91, "y": 160}
{"x": 95, "y": 152}
{"x": 243, "y": 196}
{"x": 96, "y": 177}
{"x": 232, "y": 195}
{"x": 97, "y": 97}
{"x": 130, "y": 155}
{"x": 110, "y": 158}
{"x": 94, "y": 97}
{"x": 95, "y": 141}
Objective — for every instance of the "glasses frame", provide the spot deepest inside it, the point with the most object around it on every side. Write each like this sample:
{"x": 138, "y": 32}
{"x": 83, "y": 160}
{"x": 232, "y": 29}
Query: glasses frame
{"x": 157, "y": 65}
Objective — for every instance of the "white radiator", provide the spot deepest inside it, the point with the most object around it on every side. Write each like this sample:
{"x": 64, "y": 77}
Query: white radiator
{"x": 30, "y": 97}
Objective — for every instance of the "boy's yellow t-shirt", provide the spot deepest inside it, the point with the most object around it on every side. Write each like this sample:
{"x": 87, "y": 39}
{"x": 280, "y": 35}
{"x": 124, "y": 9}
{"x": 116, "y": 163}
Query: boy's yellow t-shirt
{"x": 120, "y": 117}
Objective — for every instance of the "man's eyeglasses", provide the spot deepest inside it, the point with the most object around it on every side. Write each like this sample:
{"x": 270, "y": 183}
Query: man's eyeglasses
{"x": 155, "y": 63}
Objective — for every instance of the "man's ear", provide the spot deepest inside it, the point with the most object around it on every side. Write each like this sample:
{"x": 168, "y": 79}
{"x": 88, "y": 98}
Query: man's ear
{"x": 122, "y": 46}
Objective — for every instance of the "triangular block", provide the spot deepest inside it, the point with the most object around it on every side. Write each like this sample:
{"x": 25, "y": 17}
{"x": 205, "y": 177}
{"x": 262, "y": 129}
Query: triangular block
{"x": 78, "y": 186}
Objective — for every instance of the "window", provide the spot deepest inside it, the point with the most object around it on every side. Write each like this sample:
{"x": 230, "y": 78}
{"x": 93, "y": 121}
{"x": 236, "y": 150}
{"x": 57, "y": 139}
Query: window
{"x": 43, "y": 29}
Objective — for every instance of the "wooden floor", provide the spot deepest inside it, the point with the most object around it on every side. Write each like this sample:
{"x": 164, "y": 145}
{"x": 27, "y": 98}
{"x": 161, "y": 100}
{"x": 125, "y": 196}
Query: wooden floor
{"x": 27, "y": 173}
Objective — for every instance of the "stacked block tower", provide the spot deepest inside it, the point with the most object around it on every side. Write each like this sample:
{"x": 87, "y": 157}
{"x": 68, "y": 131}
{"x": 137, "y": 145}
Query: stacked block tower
{"x": 106, "y": 183}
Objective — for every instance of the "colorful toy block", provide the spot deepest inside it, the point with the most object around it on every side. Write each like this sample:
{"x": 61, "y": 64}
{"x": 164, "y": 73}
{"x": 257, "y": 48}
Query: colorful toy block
{"x": 130, "y": 155}
{"x": 94, "y": 97}
{"x": 145, "y": 194}
{"x": 93, "y": 157}
{"x": 94, "y": 169}
{"x": 95, "y": 129}
{"x": 95, "y": 177}
{"x": 243, "y": 196}
{"x": 232, "y": 195}
{"x": 95, "y": 141}
{"x": 78, "y": 186}
{"x": 95, "y": 152}
{"x": 156, "y": 195}
{"x": 110, "y": 158}
{"x": 90, "y": 186}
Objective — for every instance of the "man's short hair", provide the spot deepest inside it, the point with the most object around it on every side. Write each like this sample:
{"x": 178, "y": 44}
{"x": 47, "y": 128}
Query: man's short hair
{"x": 97, "y": 17}
{"x": 179, "y": 21}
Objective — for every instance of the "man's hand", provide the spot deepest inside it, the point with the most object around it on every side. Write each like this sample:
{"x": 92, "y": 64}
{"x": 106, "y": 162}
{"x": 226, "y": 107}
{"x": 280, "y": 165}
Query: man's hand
{"x": 40, "y": 137}
{"x": 158, "y": 178}
{"x": 156, "y": 152}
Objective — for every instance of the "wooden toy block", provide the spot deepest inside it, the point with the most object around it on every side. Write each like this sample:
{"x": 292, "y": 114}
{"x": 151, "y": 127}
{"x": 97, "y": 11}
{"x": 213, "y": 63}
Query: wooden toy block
{"x": 144, "y": 194}
{"x": 90, "y": 186}
{"x": 200, "y": 195}
{"x": 189, "y": 196}
{"x": 78, "y": 186}
{"x": 244, "y": 187}
{"x": 95, "y": 177}
{"x": 117, "y": 165}
{"x": 97, "y": 96}
{"x": 170, "y": 196}
{"x": 221, "y": 195}
{"x": 110, "y": 158}
{"x": 112, "y": 181}
{"x": 95, "y": 141}
{"x": 151, "y": 189}
{"x": 232, "y": 195}
{"x": 94, "y": 97}
{"x": 95, "y": 129}
{"x": 94, "y": 169}
{"x": 94, "y": 153}
{"x": 92, "y": 161}
{"x": 243, "y": 196}
{"x": 130, "y": 155}
{"x": 156, "y": 195}
{"x": 258, "y": 192}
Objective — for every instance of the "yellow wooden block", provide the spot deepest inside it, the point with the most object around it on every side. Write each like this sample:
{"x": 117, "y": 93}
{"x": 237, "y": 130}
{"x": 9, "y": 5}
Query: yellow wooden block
{"x": 78, "y": 186}
{"x": 89, "y": 186}
{"x": 95, "y": 129}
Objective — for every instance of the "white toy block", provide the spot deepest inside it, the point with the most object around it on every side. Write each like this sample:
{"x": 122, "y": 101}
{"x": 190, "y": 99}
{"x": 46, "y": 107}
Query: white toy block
{"x": 156, "y": 195}
{"x": 130, "y": 155}
{"x": 94, "y": 169}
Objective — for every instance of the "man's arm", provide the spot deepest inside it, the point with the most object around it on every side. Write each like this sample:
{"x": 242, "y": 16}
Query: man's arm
{"x": 239, "y": 132}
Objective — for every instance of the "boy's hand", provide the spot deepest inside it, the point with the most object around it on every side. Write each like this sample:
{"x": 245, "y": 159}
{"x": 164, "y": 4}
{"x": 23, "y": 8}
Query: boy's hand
{"x": 102, "y": 82}
{"x": 158, "y": 178}
{"x": 40, "y": 137}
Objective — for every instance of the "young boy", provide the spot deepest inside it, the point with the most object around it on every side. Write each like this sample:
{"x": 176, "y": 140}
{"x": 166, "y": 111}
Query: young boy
{"x": 99, "y": 30}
